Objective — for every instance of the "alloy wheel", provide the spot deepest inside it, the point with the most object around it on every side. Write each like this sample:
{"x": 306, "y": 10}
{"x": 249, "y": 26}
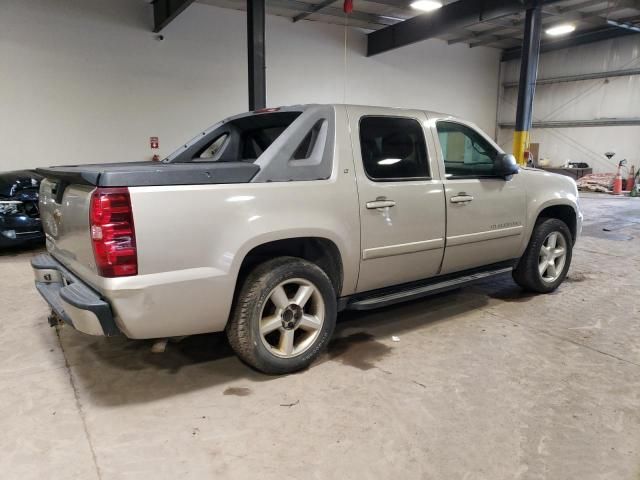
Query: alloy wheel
{"x": 291, "y": 318}
{"x": 553, "y": 256}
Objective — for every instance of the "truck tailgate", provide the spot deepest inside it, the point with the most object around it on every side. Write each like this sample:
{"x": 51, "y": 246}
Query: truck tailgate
{"x": 65, "y": 219}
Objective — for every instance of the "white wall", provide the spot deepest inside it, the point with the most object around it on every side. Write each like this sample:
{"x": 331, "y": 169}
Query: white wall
{"x": 86, "y": 80}
{"x": 583, "y": 100}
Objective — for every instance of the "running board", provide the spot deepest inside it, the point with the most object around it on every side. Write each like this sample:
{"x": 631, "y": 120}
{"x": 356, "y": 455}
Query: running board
{"x": 414, "y": 292}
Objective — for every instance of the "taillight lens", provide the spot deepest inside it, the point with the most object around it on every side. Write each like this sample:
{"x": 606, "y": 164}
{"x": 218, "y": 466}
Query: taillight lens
{"x": 112, "y": 232}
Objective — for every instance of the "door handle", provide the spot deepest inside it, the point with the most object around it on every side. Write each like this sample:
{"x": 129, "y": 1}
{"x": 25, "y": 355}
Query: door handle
{"x": 462, "y": 197}
{"x": 380, "y": 203}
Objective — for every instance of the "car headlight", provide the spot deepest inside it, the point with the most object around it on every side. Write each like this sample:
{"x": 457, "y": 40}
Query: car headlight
{"x": 10, "y": 207}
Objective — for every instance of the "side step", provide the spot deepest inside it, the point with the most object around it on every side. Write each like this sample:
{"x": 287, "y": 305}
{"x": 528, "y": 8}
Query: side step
{"x": 377, "y": 300}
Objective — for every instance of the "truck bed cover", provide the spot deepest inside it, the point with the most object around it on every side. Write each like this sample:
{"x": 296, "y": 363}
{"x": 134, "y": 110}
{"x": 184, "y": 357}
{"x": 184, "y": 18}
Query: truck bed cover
{"x": 140, "y": 174}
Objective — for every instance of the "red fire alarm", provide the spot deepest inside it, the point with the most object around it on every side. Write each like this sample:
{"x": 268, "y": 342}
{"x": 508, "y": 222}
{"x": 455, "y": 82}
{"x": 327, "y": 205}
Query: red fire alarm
{"x": 154, "y": 142}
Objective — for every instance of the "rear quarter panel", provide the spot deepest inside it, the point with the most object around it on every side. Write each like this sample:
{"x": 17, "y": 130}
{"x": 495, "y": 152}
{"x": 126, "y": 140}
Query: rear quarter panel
{"x": 192, "y": 241}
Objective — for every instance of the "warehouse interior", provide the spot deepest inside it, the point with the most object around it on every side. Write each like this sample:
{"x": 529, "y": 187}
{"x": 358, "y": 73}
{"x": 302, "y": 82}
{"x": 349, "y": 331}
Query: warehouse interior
{"x": 484, "y": 380}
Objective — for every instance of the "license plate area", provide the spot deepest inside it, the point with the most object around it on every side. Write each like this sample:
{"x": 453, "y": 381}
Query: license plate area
{"x": 49, "y": 275}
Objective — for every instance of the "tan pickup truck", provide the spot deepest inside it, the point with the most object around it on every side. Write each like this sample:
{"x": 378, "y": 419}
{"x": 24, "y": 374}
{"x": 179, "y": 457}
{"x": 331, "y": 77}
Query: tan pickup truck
{"x": 269, "y": 223}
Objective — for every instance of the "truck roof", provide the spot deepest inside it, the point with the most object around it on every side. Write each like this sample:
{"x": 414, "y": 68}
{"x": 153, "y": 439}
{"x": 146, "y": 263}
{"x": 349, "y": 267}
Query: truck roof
{"x": 307, "y": 105}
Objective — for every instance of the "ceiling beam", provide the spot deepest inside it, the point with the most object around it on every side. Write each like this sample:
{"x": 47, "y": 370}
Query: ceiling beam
{"x": 453, "y": 16}
{"x": 300, "y": 6}
{"x": 488, "y": 33}
{"x": 580, "y": 77}
{"x": 579, "y": 38}
{"x": 627, "y": 25}
{"x": 590, "y": 17}
{"x": 515, "y": 24}
{"x": 165, "y": 11}
{"x": 399, "y": 5}
{"x": 600, "y": 122}
{"x": 316, "y": 8}
{"x": 552, "y": 13}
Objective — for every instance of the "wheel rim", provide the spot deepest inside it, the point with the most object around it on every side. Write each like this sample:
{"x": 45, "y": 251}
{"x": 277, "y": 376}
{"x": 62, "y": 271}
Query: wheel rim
{"x": 291, "y": 318}
{"x": 553, "y": 256}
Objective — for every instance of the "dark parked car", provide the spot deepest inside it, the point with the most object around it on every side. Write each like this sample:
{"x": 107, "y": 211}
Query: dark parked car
{"x": 19, "y": 214}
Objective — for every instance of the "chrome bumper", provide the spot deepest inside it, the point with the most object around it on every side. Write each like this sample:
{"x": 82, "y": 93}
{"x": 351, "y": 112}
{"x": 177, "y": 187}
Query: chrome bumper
{"x": 71, "y": 299}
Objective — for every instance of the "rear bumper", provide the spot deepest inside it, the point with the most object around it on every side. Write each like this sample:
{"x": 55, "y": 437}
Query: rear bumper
{"x": 71, "y": 299}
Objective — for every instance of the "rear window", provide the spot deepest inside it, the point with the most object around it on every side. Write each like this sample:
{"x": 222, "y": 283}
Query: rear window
{"x": 242, "y": 139}
{"x": 255, "y": 142}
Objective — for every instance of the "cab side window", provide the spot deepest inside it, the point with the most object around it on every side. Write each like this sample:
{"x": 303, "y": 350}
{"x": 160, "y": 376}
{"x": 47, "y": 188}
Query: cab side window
{"x": 466, "y": 153}
{"x": 393, "y": 149}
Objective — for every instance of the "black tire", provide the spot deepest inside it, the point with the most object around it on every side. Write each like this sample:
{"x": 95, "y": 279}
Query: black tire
{"x": 243, "y": 328}
{"x": 527, "y": 273}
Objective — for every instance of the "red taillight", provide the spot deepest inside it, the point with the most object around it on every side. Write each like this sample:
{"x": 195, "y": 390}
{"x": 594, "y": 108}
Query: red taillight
{"x": 112, "y": 232}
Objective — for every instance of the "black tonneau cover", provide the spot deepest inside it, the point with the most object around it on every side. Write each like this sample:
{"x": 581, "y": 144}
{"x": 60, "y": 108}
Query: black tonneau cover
{"x": 144, "y": 174}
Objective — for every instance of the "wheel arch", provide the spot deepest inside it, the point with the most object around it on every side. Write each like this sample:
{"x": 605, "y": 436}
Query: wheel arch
{"x": 318, "y": 250}
{"x": 564, "y": 212}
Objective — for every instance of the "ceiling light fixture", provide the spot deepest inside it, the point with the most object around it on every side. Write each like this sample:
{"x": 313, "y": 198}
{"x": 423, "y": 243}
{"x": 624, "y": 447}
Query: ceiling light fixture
{"x": 560, "y": 29}
{"x": 426, "y": 5}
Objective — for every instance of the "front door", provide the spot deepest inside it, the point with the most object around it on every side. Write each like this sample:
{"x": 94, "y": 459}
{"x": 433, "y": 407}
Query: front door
{"x": 485, "y": 213}
{"x": 402, "y": 210}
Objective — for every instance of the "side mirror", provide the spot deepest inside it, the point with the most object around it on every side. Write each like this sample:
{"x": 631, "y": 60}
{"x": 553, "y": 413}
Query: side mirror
{"x": 505, "y": 165}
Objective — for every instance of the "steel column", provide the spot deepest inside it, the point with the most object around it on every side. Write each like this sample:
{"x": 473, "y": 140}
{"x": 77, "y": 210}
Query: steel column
{"x": 528, "y": 76}
{"x": 255, "y": 54}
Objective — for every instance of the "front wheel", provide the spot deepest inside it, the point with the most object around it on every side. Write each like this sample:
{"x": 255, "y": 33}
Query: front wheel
{"x": 545, "y": 262}
{"x": 284, "y": 315}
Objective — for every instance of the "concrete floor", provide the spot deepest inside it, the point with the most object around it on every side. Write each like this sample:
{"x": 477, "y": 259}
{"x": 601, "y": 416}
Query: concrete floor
{"x": 485, "y": 383}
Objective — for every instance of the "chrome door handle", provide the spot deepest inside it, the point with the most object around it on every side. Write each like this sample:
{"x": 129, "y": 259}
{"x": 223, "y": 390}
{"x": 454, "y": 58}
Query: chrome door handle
{"x": 462, "y": 197}
{"x": 380, "y": 203}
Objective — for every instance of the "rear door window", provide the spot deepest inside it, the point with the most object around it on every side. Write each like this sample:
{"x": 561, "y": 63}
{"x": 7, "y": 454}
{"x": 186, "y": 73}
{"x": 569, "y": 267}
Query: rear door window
{"x": 393, "y": 148}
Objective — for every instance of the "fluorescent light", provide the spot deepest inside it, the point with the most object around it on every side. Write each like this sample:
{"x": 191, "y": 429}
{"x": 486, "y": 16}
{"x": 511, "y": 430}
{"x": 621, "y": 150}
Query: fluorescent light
{"x": 426, "y": 5}
{"x": 562, "y": 29}
{"x": 389, "y": 161}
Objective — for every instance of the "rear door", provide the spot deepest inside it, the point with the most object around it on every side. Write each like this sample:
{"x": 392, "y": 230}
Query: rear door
{"x": 402, "y": 210}
{"x": 485, "y": 213}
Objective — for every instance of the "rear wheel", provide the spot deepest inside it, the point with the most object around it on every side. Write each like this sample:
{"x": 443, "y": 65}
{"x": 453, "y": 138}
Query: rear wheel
{"x": 284, "y": 315}
{"x": 545, "y": 262}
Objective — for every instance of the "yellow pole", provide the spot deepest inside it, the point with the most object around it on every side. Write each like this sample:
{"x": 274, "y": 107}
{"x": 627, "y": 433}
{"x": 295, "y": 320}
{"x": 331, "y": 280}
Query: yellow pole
{"x": 520, "y": 144}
